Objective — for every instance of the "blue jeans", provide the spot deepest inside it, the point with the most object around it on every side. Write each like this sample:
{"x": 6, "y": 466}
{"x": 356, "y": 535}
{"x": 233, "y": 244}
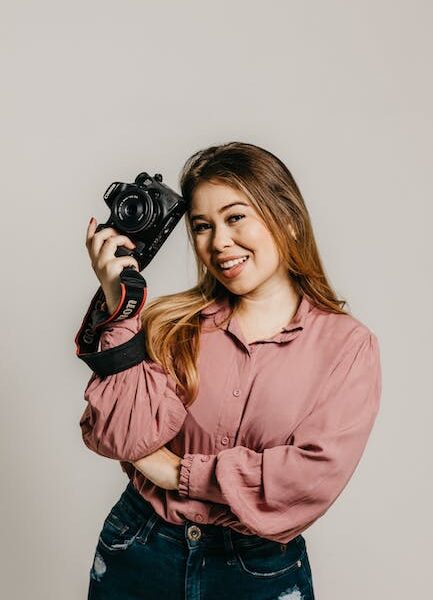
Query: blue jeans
{"x": 141, "y": 556}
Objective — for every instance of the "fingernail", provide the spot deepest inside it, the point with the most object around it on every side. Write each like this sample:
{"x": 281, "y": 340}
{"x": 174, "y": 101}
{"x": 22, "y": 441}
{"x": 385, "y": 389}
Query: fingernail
{"x": 91, "y": 219}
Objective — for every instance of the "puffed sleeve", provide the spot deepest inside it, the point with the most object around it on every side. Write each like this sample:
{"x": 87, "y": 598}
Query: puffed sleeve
{"x": 281, "y": 491}
{"x": 132, "y": 413}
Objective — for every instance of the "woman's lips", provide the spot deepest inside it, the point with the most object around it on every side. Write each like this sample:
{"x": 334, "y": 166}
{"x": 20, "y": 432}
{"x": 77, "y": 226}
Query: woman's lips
{"x": 234, "y": 271}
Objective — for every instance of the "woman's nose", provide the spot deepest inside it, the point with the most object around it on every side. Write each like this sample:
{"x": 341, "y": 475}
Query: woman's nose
{"x": 221, "y": 239}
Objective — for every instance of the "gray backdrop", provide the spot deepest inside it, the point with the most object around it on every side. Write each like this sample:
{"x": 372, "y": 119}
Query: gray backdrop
{"x": 97, "y": 91}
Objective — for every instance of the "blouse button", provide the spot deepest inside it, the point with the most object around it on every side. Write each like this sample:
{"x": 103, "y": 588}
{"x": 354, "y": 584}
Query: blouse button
{"x": 224, "y": 440}
{"x": 205, "y": 458}
{"x": 236, "y": 392}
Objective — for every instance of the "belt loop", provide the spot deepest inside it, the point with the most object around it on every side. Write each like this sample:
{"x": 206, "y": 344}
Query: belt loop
{"x": 228, "y": 545}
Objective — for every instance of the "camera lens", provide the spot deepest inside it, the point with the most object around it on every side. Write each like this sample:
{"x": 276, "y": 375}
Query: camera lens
{"x": 131, "y": 209}
{"x": 134, "y": 211}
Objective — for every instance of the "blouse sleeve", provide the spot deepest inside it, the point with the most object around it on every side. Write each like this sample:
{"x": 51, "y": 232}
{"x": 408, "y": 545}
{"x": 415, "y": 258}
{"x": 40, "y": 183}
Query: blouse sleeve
{"x": 132, "y": 413}
{"x": 284, "y": 489}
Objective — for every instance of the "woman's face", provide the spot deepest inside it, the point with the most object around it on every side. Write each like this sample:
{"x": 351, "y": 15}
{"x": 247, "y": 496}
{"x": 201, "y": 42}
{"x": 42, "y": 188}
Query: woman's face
{"x": 225, "y": 225}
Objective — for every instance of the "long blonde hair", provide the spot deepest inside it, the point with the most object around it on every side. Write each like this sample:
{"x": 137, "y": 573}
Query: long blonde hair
{"x": 171, "y": 323}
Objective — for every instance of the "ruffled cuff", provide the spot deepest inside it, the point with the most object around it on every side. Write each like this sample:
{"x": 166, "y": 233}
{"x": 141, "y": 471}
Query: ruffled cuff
{"x": 184, "y": 473}
{"x": 131, "y": 323}
{"x": 117, "y": 332}
{"x": 197, "y": 478}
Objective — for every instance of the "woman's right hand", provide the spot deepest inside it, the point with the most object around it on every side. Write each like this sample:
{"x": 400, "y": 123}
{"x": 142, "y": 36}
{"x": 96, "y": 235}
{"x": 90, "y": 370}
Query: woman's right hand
{"x": 101, "y": 247}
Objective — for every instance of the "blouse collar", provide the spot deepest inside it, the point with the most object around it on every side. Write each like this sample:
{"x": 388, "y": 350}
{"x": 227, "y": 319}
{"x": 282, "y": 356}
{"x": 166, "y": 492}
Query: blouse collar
{"x": 220, "y": 308}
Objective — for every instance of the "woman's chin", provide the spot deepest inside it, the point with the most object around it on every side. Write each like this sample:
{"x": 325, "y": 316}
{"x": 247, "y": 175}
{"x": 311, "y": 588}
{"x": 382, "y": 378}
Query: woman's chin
{"x": 238, "y": 288}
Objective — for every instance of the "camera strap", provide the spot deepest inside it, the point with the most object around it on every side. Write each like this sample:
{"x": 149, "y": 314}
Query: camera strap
{"x": 126, "y": 355}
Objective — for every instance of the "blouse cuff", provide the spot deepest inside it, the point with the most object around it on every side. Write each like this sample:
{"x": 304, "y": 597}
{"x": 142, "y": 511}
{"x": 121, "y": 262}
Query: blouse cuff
{"x": 118, "y": 332}
{"x": 197, "y": 478}
{"x": 130, "y": 323}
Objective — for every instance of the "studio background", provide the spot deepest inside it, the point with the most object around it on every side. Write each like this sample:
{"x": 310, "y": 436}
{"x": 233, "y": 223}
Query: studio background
{"x": 94, "y": 92}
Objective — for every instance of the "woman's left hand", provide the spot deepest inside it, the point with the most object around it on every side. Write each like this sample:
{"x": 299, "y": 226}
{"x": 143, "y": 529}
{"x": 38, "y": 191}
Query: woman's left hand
{"x": 162, "y": 467}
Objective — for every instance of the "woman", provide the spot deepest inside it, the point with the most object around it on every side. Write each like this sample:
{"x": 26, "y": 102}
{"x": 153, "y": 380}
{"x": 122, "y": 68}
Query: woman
{"x": 253, "y": 409}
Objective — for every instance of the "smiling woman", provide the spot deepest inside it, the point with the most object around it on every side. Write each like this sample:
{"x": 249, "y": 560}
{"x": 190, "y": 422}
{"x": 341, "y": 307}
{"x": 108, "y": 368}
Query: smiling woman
{"x": 252, "y": 410}
{"x": 239, "y": 250}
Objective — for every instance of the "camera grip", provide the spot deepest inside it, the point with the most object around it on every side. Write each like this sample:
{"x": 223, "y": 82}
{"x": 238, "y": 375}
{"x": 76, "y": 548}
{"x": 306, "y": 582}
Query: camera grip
{"x": 123, "y": 251}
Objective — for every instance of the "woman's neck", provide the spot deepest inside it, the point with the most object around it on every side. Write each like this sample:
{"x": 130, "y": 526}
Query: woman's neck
{"x": 268, "y": 312}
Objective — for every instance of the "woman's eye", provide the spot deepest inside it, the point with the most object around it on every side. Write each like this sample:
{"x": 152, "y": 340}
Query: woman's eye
{"x": 198, "y": 227}
{"x": 233, "y": 216}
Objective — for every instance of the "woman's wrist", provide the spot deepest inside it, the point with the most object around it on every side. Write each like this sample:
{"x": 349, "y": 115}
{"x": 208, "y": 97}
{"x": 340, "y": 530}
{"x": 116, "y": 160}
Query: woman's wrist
{"x": 111, "y": 303}
{"x": 162, "y": 467}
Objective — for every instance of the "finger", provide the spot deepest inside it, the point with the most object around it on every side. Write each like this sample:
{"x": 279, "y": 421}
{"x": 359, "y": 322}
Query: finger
{"x": 100, "y": 237}
{"x": 92, "y": 234}
{"x": 128, "y": 261}
{"x": 90, "y": 231}
{"x": 119, "y": 240}
{"x": 110, "y": 245}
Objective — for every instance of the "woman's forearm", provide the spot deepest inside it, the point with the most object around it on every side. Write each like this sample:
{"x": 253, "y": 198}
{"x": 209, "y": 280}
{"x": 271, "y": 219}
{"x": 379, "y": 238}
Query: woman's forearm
{"x": 162, "y": 467}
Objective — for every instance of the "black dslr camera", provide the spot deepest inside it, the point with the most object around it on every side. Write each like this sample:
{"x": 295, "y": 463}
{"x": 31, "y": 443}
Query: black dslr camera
{"x": 146, "y": 211}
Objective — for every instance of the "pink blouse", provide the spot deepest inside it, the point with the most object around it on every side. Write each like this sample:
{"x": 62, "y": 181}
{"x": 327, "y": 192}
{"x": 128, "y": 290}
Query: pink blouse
{"x": 274, "y": 435}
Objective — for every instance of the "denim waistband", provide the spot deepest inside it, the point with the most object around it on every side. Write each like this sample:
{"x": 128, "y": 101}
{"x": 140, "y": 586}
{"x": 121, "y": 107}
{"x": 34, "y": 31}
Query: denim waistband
{"x": 213, "y": 535}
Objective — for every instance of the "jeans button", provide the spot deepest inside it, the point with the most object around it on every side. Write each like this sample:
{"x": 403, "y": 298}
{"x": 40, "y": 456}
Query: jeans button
{"x": 194, "y": 532}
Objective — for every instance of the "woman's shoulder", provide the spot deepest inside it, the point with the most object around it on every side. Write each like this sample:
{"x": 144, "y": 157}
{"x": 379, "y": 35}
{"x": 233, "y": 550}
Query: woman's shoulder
{"x": 339, "y": 329}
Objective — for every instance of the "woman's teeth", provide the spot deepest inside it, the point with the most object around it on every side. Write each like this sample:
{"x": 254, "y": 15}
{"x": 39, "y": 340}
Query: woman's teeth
{"x": 231, "y": 263}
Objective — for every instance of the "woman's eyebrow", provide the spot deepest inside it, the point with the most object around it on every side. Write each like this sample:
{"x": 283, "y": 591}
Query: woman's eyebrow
{"x": 193, "y": 217}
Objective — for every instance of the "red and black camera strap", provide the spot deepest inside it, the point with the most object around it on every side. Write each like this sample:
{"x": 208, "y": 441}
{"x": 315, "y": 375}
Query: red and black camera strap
{"x": 126, "y": 355}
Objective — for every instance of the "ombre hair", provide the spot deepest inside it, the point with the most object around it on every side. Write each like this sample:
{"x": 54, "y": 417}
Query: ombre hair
{"x": 172, "y": 323}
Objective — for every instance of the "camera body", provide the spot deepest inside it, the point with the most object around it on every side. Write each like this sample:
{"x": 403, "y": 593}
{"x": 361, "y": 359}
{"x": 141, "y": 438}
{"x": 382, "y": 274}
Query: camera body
{"x": 146, "y": 211}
